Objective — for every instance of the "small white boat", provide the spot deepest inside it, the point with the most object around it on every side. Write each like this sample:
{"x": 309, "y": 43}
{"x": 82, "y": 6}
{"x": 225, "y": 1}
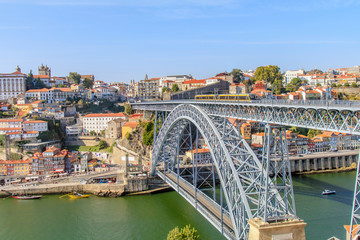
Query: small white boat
{"x": 328, "y": 192}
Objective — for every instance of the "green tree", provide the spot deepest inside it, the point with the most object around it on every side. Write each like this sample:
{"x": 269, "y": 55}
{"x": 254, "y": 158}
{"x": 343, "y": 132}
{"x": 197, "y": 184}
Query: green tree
{"x": 175, "y": 88}
{"x": 294, "y": 85}
{"x": 313, "y": 132}
{"x": 314, "y": 71}
{"x": 29, "y": 81}
{"x": 103, "y": 144}
{"x": 333, "y": 85}
{"x": 278, "y": 86}
{"x": 74, "y": 77}
{"x": 88, "y": 83}
{"x": 148, "y": 134}
{"x": 238, "y": 75}
{"x": 269, "y": 73}
{"x": 339, "y": 85}
{"x": 128, "y": 109}
{"x": 347, "y": 84}
{"x": 318, "y": 85}
{"x": 354, "y": 85}
{"x": 164, "y": 89}
{"x": 299, "y": 130}
{"x": 186, "y": 233}
{"x": 92, "y": 133}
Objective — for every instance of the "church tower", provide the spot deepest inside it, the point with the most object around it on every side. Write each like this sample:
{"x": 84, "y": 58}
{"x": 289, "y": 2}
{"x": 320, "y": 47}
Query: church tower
{"x": 44, "y": 70}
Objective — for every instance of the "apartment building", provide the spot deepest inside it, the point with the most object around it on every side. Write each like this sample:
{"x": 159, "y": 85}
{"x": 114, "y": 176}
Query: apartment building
{"x": 12, "y": 84}
{"x": 99, "y": 121}
{"x": 35, "y": 125}
{"x": 52, "y": 160}
{"x": 290, "y": 75}
{"x": 50, "y": 95}
{"x": 148, "y": 89}
{"x": 15, "y": 167}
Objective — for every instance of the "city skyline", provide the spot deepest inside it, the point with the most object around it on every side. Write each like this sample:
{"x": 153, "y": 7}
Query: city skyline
{"x": 120, "y": 41}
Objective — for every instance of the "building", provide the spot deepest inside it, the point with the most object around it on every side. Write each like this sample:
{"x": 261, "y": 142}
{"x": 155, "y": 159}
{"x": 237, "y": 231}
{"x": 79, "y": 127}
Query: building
{"x": 193, "y": 83}
{"x": 15, "y": 167}
{"x": 50, "y": 95}
{"x": 12, "y": 84}
{"x": 246, "y": 130}
{"x": 290, "y": 75}
{"x": 259, "y": 89}
{"x": 258, "y": 138}
{"x": 113, "y": 129}
{"x": 148, "y": 89}
{"x": 128, "y": 128}
{"x": 202, "y": 155}
{"x": 11, "y": 123}
{"x": 74, "y": 130}
{"x": 237, "y": 88}
{"x": 52, "y": 160}
{"x": 35, "y": 125}
{"x": 99, "y": 121}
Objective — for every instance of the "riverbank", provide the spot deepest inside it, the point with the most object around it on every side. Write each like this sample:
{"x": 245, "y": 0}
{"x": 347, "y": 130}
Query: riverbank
{"x": 131, "y": 185}
{"x": 338, "y": 170}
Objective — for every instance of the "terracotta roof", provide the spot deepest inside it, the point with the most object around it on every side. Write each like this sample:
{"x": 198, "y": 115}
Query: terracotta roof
{"x": 14, "y": 161}
{"x": 38, "y": 90}
{"x": 11, "y": 120}
{"x": 10, "y": 129}
{"x": 131, "y": 124}
{"x": 31, "y": 132}
{"x": 34, "y": 121}
{"x": 259, "y": 134}
{"x": 41, "y": 76}
{"x": 200, "y": 150}
{"x": 105, "y": 115}
{"x": 12, "y": 133}
{"x": 194, "y": 81}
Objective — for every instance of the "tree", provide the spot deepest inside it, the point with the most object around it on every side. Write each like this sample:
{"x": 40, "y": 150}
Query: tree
{"x": 148, "y": 134}
{"x": 354, "y": 85}
{"x": 313, "y": 132}
{"x": 103, "y": 144}
{"x": 88, "y": 83}
{"x": 29, "y": 81}
{"x": 339, "y": 85}
{"x": 294, "y": 85}
{"x": 186, "y": 233}
{"x": 74, "y": 77}
{"x": 314, "y": 71}
{"x": 318, "y": 84}
{"x": 333, "y": 85}
{"x": 92, "y": 133}
{"x": 278, "y": 86}
{"x": 268, "y": 73}
{"x": 347, "y": 84}
{"x": 175, "y": 88}
{"x": 128, "y": 109}
{"x": 164, "y": 89}
{"x": 238, "y": 75}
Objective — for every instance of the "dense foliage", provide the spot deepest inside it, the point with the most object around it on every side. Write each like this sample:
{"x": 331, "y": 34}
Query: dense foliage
{"x": 88, "y": 83}
{"x": 186, "y": 233}
{"x": 74, "y": 77}
{"x": 237, "y": 74}
{"x": 294, "y": 85}
{"x": 103, "y": 144}
{"x": 148, "y": 134}
{"x": 175, "y": 88}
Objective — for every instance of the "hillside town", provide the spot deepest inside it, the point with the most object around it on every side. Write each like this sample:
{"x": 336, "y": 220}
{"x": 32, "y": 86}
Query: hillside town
{"x": 53, "y": 126}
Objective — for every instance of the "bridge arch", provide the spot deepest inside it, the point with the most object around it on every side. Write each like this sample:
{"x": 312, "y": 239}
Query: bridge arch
{"x": 238, "y": 168}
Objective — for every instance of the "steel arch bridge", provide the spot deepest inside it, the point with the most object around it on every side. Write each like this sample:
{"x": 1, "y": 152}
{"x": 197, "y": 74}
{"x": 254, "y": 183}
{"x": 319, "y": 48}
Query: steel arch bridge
{"x": 245, "y": 184}
{"x": 340, "y": 116}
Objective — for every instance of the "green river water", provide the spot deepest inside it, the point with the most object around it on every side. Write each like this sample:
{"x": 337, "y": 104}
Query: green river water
{"x": 152, "y": 216}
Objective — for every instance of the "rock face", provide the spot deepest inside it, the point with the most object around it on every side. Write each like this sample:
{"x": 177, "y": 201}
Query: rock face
{"x": 135, "y": 144}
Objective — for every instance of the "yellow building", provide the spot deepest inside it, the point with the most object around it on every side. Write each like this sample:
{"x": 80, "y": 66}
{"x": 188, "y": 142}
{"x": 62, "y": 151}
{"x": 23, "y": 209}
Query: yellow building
{"x": 15, "y": 167}
{"x": 24, "y": 107}
{"x": 128, "y": 127}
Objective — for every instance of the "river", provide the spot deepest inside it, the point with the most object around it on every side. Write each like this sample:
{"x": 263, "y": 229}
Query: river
{"x": 152, "y": 216}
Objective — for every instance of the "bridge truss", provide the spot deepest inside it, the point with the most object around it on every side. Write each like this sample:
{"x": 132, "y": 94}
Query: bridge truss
{"x": 245, "y": 183}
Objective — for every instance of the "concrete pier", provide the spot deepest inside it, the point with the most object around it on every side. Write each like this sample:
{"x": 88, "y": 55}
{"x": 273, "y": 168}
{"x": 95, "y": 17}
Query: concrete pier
{"x": 323, "y": 161}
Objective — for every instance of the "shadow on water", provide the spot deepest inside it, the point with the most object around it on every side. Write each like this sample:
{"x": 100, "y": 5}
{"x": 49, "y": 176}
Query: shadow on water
{"x": 314, "y": 188}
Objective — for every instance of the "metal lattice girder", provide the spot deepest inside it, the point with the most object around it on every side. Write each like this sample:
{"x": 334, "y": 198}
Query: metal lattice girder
{"x": 339, "y": 116}
{"x": 276, "y": 163}
{"x": 238, "y": 168}
{"x": 355, "y": 214}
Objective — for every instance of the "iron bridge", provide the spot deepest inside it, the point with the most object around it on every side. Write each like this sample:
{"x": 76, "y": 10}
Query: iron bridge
{"x": 251, "y": 186}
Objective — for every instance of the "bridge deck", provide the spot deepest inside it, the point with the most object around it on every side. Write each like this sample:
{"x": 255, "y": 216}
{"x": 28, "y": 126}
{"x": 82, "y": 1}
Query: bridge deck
{"x": 202, "y": 202}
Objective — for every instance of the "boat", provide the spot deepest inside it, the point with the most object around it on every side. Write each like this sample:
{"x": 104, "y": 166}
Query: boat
{"x": 29, "y": 197}
{"x": 76, "y": 195}
{"x": 328, "y": 192}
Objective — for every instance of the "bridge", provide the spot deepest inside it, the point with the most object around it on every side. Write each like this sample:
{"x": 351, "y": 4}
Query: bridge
{"x": 251, "y": 186}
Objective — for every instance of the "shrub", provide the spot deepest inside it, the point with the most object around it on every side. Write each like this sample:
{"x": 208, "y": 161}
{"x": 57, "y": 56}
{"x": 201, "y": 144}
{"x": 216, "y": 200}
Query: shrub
{"x": 186, "y": 233}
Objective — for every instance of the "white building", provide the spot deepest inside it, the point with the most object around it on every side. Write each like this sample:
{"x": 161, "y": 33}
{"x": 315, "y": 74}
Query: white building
{"x": 290, "y": 75}
{"x": 12, "y": 84}
{"x": 35, "y": 125}
{"x": 50, "y": 95}
{"x": 98, "y": 122}
{"x": 74, "y": 130}
{"x": 11, "y": 123}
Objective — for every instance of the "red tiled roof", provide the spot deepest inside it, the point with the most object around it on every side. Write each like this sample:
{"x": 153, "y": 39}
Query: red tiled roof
{"x": 34, "y": 121}
{"x": 131, "y": 124}
{"x": 11, "y": 120}
{"x": 41, "y": 76}
{"x": 105, "y": 115}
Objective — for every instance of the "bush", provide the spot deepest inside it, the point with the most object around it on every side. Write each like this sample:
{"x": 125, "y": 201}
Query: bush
{"x": 186, "y": 233}
{"x": 148, "y": 135}
{"x": 103, "y": 144}
{"x": 127, "y": 136}
{"x": 354, "y": 85}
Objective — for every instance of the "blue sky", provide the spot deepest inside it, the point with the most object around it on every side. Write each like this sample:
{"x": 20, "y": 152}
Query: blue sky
{"x": 123, "y": 40}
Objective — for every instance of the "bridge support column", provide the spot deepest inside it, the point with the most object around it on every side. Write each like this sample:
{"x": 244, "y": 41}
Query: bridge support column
{"x": 259, "y": 230}
{"x": 355, "y": 214}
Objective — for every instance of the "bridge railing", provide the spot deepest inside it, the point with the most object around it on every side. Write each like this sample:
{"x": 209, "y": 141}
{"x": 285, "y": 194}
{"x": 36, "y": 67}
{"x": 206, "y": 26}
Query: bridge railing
{"x": 285, "y": 102}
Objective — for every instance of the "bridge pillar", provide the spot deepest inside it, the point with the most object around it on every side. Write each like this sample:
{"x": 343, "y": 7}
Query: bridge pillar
{"x": 293, "y": 229}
